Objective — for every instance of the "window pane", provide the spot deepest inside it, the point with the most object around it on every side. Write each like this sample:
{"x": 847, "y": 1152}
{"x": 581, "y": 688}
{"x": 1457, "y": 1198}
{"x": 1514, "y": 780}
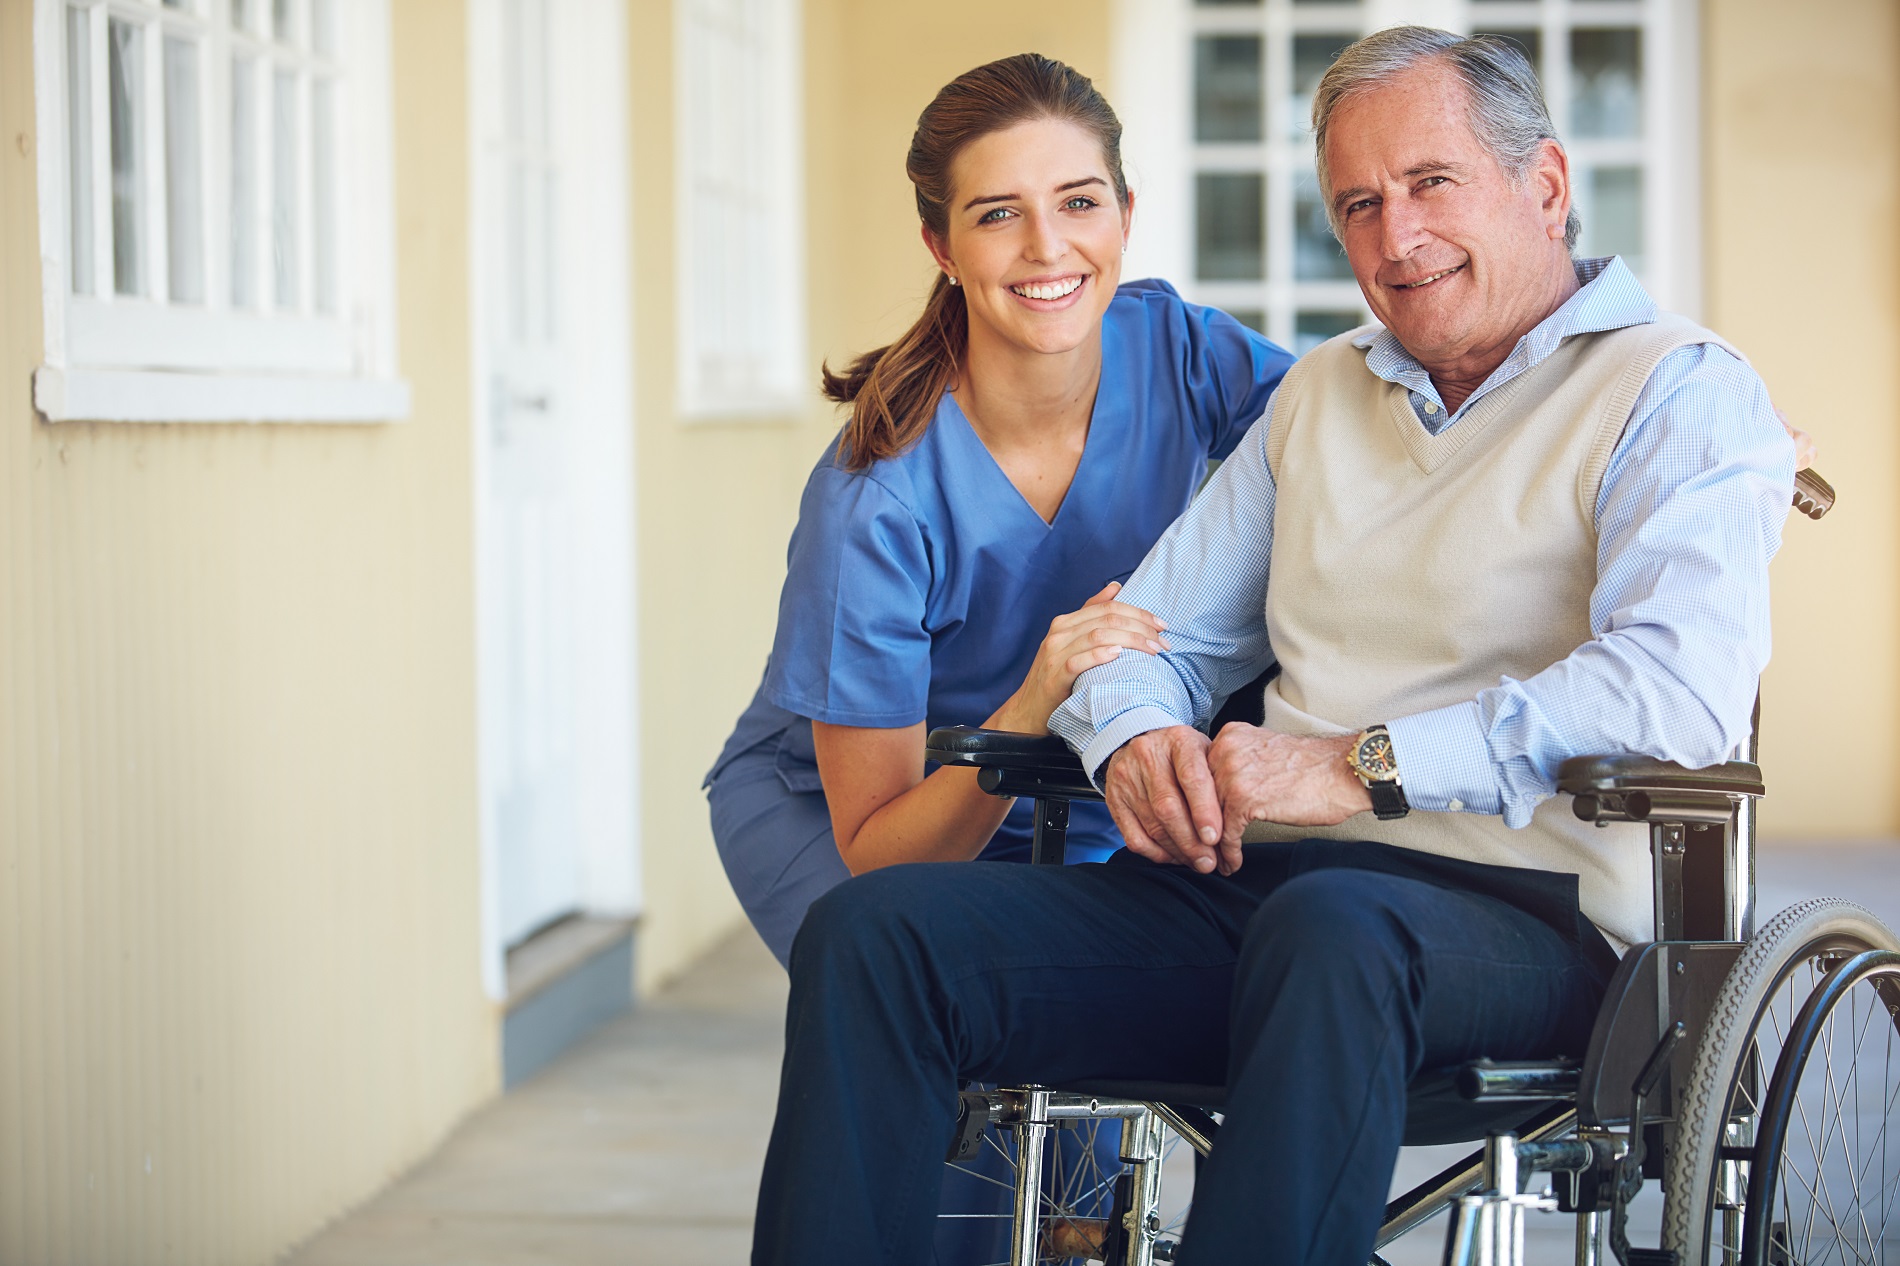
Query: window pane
{"x": 79, "y": 147}
{"x": 1230, "y": 226}
{"x": 1311, "y": 328}
{"x": 1312, "y": 56}
{"x": 323, "y": 26}
{"x": 1316, "y": 253}
{"x": 280, "y": 21}
{"x": 1228, "y": 93}
{"x": 244, "y": 182}
{"x": 283, "y": 154}
{"x": 323, "y": 191}
{"x": 126, "y": 81}
{"x": 1613, "y": 222}
{"x": 1606, "y": 96}
{"x": 1529, "y": 41}
{"x": 184, "y": 183}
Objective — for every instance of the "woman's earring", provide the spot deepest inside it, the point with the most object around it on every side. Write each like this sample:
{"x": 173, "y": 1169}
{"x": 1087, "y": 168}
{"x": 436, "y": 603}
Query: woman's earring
{"x": 953, "y": 280}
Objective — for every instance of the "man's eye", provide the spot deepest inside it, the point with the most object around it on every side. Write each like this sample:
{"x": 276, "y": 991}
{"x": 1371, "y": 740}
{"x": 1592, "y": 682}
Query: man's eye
{"x": 1356, "y": 207}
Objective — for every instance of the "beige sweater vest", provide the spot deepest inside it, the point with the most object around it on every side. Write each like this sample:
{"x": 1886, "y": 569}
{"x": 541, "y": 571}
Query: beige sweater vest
{"x": 1412, "y": 571}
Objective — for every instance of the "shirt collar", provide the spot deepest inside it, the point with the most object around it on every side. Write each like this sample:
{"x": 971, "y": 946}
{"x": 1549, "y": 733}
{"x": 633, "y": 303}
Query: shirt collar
{"x": 1608, "y": 298}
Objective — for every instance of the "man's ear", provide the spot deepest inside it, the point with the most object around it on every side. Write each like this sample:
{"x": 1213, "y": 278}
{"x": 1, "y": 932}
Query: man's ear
{"x": 1550, "y": 177}
{"x": 936, "y": 247}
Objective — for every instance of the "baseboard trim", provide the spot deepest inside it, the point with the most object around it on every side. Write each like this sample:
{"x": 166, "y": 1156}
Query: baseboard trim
{"x": 563, "y": 984}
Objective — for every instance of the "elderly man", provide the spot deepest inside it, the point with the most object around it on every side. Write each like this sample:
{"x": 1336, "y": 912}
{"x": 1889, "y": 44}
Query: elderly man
{"x": 1530, "y": 518}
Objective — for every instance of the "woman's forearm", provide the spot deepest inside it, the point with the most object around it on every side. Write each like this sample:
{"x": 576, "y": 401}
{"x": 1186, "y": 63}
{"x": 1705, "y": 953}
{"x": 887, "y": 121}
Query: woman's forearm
{"x": 885, "y": 812}
{"x": 944, "y": 818}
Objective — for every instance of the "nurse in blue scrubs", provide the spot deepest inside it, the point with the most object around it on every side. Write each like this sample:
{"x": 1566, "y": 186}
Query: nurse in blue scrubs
{"x": 1008, "y": 461}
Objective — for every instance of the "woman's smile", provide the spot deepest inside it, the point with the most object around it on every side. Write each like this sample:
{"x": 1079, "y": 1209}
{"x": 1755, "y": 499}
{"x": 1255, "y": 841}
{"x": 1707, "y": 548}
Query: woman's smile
{"x": 1049, "y": 294}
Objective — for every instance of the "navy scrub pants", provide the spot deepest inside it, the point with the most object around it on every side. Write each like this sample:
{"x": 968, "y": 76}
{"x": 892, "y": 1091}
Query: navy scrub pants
{"x": 1316, "y": 981}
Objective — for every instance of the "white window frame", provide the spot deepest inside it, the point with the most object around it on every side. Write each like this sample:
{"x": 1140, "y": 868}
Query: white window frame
{"x": 122, "y": 358}
{"x": 1155, "y": 97}
{"x": 739, "y": 175}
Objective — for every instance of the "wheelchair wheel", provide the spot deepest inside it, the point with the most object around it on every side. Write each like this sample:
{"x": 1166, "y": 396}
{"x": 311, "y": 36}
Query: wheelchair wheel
{"x": 1826, "y": 1172}
{"x": 1080, "y": 1169}
{"x": 1085, "y": 1191}
{"x": 1751, "y": 1033}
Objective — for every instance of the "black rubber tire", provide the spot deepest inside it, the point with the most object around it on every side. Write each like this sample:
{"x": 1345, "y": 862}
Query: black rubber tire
{"x": 1790, "y": 940}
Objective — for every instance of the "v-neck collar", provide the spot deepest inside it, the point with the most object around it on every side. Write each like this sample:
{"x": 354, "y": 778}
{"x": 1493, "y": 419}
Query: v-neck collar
{"x": 1103, "y": 416}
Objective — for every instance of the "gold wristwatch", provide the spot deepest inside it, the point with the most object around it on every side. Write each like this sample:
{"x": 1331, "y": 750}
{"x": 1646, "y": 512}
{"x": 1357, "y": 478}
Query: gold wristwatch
{"x": 1377, "y": 766}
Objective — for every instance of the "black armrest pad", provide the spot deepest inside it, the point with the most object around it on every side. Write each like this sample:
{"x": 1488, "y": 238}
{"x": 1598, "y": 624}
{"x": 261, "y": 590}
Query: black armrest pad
{"x": 1581, "y": 775}
{"x": 1001, "y": 749}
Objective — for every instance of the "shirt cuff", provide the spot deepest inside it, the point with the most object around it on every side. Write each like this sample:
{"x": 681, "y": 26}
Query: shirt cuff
{"x": 1109, "y": 739}
{"x": 1444, "y": 761}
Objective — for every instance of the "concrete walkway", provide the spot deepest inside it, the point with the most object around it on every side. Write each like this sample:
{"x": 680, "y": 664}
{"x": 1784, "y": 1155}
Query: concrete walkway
{"x": 644, "y": 1145}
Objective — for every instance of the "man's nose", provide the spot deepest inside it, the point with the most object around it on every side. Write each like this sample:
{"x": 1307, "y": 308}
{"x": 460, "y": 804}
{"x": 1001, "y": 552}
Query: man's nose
{"x": 1401, "y": 228}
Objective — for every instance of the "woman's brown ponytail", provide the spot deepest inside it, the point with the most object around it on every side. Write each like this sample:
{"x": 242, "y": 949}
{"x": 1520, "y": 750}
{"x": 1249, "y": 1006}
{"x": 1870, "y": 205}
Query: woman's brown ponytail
{"x": 893, "y": 391}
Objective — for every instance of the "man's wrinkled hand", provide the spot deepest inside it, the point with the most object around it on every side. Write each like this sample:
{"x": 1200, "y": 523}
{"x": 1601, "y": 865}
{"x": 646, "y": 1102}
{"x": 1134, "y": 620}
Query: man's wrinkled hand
{"x": 1161, "y": 794}
{"x": 1296, "y": 780}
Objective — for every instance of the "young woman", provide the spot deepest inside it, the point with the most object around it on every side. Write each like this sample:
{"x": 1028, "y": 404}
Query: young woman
{"x": 1007, "y": 462}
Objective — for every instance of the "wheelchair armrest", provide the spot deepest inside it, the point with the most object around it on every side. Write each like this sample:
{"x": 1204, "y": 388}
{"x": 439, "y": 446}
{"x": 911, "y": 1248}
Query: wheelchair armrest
{"x": 1012, "y": 764}
{"x": 1628, "y": 788}
{"x": 1813, "y": 495}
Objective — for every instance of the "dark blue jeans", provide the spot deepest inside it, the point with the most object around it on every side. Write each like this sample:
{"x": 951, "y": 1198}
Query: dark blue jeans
{"x": 1317, "y": 982}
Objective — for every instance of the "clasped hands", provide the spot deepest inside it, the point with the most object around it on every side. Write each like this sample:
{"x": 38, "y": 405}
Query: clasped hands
{"x": 1184, "y": 799}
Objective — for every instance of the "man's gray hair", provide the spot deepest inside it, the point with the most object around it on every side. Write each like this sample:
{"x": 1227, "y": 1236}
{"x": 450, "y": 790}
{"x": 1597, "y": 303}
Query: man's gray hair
{"x": 1506, "y": 104}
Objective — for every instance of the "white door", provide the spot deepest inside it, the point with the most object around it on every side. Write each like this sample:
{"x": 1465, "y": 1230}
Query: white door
{"x": 553, "y": 463}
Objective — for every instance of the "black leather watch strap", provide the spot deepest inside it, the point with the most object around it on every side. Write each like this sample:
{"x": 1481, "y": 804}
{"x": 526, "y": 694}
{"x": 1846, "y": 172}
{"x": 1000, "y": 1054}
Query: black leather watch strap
{"x": 1388, "y": 800}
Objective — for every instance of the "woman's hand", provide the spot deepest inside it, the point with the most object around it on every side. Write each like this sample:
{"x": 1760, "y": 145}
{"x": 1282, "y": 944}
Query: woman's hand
{"x": 1803, "y": 442}
{"x": 1077, "y": 642}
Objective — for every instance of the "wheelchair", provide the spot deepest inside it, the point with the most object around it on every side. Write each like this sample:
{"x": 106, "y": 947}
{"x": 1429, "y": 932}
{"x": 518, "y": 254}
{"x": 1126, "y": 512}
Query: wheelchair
{"x": 1751, "y": 1071}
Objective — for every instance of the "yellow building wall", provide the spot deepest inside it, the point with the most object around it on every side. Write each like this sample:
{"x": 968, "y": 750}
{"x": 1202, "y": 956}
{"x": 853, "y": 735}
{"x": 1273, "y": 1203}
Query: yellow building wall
{"x": 239, "y": 954}
{"x": 717, "y": 499}
{"x": 1802, "y": 195}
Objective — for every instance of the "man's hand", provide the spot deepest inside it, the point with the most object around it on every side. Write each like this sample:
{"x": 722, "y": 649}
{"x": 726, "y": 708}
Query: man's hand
{"x": 1264, "y": 776}
{"x": 1161, "y": 794}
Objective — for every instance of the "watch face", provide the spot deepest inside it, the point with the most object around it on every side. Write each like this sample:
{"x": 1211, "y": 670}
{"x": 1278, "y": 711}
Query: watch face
{"x": 1375, "y": 758}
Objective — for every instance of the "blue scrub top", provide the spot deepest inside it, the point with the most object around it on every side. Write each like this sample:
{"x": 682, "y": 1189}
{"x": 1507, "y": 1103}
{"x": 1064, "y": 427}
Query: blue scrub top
{"x": 919, "y": 589}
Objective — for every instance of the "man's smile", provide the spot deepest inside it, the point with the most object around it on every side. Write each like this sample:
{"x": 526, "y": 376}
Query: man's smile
{"x": 1422, "y": 282}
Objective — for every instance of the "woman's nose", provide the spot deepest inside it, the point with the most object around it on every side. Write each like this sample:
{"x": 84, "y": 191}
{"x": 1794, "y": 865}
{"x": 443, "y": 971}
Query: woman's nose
{"x": 1046, "y": 242}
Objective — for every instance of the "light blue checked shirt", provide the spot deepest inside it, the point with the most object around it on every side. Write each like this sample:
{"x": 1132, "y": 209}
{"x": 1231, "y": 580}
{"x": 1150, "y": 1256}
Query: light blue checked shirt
{"x": 1689, "y": 515}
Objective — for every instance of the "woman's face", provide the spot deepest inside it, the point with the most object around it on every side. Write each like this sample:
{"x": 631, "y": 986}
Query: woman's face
{"x": 1035, "y": 236}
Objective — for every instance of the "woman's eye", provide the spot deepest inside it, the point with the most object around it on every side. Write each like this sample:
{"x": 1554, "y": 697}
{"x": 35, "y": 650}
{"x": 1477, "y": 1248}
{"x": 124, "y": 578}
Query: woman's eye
{"x": 993, "y": 215}
{"x": 1080, "y": 203}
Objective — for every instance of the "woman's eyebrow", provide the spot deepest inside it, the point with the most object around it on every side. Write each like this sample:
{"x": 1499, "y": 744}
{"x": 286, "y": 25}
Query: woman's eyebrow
{"x": 987, "y": 198}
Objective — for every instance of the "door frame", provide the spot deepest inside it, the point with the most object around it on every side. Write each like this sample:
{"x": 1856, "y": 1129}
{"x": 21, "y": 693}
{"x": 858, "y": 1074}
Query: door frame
{"x": 589, "y": 57}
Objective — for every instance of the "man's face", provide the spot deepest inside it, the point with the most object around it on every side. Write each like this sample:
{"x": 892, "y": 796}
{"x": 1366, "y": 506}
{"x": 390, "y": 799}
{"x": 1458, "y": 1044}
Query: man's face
{"x": 1453, "y": 255}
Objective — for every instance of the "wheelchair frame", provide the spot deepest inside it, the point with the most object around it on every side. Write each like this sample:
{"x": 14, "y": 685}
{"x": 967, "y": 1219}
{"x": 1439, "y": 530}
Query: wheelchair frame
{"x": 1602, "y": 1123}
